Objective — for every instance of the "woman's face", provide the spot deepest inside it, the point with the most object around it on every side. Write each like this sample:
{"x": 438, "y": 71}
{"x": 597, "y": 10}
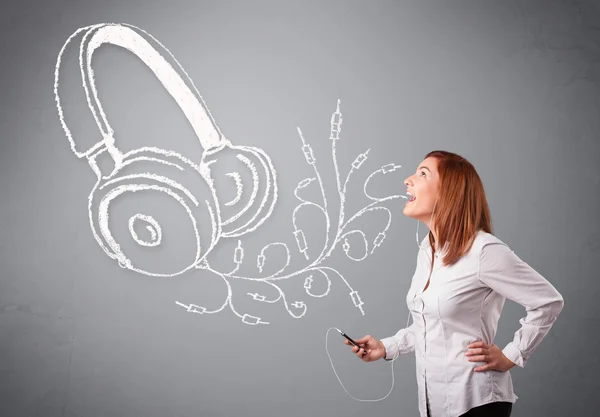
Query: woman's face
{"x": 422, "y": 188}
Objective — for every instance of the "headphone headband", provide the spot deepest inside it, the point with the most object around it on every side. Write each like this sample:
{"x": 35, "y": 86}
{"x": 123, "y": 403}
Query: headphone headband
{"x": 190, "y": 102}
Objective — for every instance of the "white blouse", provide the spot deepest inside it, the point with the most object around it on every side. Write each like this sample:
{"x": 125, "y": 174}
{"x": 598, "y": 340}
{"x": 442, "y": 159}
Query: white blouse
{"x": 462, "y": 305}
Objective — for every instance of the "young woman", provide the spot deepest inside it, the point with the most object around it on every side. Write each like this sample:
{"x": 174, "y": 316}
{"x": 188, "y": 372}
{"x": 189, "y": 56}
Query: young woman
{"x": 463, "y": 276}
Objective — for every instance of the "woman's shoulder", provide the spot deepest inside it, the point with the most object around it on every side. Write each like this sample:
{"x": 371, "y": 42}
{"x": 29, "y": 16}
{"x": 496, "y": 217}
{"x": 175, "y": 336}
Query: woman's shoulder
{"x": 484, "y": 238}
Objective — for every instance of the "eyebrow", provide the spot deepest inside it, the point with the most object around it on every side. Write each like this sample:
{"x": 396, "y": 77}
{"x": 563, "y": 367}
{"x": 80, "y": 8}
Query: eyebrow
{"x": 424, "y": 167}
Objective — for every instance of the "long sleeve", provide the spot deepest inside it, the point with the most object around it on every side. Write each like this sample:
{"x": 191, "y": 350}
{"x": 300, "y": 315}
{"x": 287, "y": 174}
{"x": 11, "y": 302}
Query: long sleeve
{"x": 406, "y": 343}
{"x": 504, "y": 272}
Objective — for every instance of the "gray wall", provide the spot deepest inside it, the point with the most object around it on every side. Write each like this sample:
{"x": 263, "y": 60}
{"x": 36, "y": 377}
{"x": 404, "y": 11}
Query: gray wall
{"x": 512, "y": 86}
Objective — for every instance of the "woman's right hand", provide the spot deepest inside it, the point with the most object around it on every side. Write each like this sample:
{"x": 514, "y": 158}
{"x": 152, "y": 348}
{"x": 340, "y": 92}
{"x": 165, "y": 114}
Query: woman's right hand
{"x": 371, "y": 349}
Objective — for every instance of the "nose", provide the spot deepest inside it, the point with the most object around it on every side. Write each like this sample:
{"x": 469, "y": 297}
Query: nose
{"x": 406, "y": 181}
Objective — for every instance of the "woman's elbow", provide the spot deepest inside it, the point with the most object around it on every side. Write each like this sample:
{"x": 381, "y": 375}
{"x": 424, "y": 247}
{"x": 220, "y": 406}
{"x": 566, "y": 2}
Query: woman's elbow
{"x": 557, "y": 305}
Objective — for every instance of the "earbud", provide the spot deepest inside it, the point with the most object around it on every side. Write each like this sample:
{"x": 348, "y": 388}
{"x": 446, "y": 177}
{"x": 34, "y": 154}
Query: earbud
{"x": 208, "y": 189}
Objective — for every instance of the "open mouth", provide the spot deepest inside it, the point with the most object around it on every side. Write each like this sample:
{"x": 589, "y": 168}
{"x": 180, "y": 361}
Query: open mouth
{"x": 411, "y": 198}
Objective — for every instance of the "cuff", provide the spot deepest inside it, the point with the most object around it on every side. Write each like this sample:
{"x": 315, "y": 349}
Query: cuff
{"x": 390, "y": 348}
{"x": 514, "y": 354}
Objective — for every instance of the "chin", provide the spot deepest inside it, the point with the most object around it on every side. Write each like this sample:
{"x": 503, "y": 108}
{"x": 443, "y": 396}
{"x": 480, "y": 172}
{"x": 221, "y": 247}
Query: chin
{"x": 417, "y": 216}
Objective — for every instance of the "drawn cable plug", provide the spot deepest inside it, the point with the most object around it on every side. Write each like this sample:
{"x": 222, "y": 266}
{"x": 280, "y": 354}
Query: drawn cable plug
{"x": 306, "y": 149}
{"x": 360, "y": 159}
{"x": 299, "y": 304}
{"x": 336, "y": 123}
{"x": 308, "y": 154}
{"x": 346, "y": 246}
{"x": 253, "y": 320}
{"x": 301, "y": 241}
{"x": 357, "y": 301}
{"x": 304, "y": 183}
{"x": 238, "y": 255}
{"x": 257, "y": 297}
{"x": 378, "y": 241}
{"x": 192, "y": 308}
{"x": 260, "y": 262}
{"x": 390, "y": 168}
{"x": 308, "y": 282}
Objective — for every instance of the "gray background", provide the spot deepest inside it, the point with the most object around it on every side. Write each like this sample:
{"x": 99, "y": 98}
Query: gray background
{"x": 512, "y": 86}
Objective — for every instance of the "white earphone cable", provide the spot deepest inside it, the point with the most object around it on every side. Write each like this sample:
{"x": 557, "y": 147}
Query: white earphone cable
{"x": 424, "y": 246}
{"x": 392, "y": 361}
{"x": 397, "y": 346}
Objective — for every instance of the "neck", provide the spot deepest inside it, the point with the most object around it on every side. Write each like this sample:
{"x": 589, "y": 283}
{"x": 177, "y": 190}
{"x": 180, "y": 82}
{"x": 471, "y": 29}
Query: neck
{"x": 429, "y": 226}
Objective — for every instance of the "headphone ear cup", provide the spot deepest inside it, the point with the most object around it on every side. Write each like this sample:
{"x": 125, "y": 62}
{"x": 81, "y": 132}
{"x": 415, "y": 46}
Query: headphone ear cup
{"x": 245, "y": 184}
{"x": 155, "y": 213}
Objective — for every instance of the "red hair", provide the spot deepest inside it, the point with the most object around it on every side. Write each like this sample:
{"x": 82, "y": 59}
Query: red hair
{"x": 462, "y": 209}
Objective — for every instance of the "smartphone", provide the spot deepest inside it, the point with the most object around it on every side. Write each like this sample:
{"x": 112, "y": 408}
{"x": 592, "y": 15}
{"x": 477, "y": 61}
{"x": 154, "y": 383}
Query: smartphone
{"x": 350, "y": 339}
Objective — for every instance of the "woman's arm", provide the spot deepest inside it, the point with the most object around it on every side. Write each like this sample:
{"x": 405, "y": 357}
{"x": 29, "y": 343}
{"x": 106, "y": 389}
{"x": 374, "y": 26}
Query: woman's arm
{"x": 405, "y": 340}
{"x": 503, "y": 271}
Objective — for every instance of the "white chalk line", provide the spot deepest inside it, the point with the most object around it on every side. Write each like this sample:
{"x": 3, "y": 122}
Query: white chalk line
{"x": 110, "y": 185}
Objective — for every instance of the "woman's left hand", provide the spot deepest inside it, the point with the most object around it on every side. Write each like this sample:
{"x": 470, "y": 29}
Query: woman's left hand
{"x": 492, "y": 354}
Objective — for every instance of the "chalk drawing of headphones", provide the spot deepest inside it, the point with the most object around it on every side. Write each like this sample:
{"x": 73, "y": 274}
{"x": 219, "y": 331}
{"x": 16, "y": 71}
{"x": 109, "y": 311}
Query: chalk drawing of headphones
{"x": 162, "y": 173}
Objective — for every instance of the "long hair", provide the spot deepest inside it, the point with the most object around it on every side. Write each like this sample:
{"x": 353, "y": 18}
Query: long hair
{"x": 462, "y": 209}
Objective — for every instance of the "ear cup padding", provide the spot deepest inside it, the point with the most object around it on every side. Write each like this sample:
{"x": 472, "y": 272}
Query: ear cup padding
{"x": 245, "y": 184}
{"x": 170, "y": 224}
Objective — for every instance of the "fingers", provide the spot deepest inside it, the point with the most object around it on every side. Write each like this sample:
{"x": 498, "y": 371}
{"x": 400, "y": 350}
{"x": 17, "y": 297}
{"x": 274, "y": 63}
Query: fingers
{"x": 483, "y": 352}
{"x": 490, "y": 363}
{"x": 347, "y": 342}
{"x": 358, "y": 350}
{"x": 361, "y": 352}
{"x": 486, "y": 367}
{"x": 478, "y": 351}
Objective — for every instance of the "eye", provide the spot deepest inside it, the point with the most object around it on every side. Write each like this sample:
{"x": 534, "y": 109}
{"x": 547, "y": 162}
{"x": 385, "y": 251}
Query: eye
{"x": 422, "y": 172}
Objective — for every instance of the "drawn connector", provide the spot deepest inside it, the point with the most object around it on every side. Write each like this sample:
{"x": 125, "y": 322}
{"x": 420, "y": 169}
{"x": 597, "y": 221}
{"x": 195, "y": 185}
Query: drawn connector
{"x": 197, "y": 309}
{"x": 257, "y": 297}
{"x": 193, "y": 308}
{"x": 389, "y": 168}
{"x": 356, "y": 299}
{"x": 260, "y": 262}
{"x": 305, "y": 182}
{"x": 335, "y": 134}
{"x": 359, "y": 160}
{"x": 248, "y": 319}
{"x": 346, "y": 246}
{"x": 308, "y": 282}
{"x": 308, "y": 154}
{"x": 298, "y": 304}
{"x": 379, "y": 239}
{"x": 336, "y": 124}
{"x": 239, "y": 253}
{"x": 300, "y": 240}
{"x": 203, "y": 264}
